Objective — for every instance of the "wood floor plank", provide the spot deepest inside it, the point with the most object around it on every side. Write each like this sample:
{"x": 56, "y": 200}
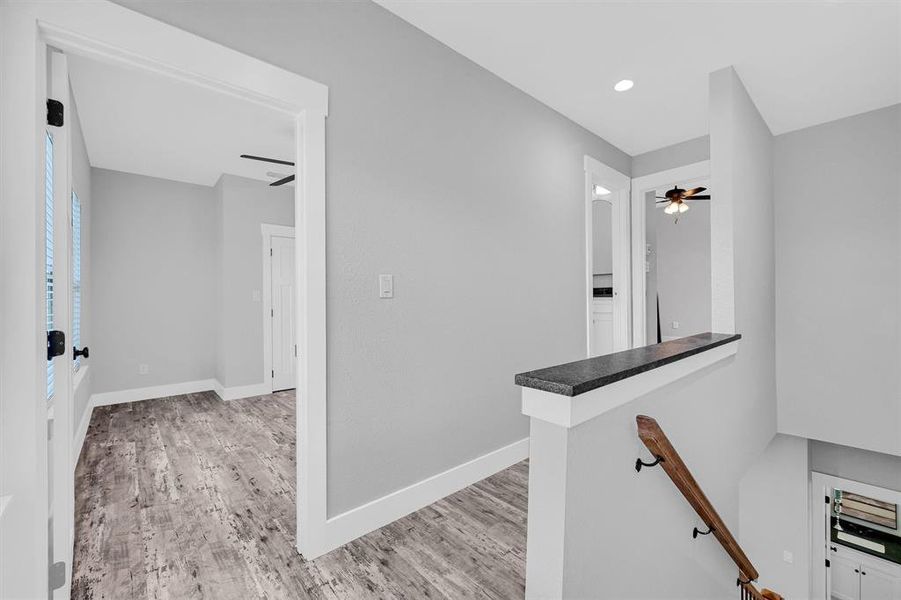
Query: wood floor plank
{"x": 190, "y": 497}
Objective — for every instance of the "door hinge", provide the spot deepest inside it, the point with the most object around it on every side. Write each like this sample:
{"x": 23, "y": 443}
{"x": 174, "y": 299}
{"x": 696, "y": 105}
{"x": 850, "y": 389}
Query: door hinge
{"x": 271, "y": 312}
{"x": 295, "y": 350}
{"x": 57, "y": 575}
{"x": 273, "y": 373}
{"x": 56, "y": 343}
{"x": 270, "y": 251}
{"x": 54, "y": 112}
{"x": 827, "y": 499}
{"x": 828, "y": 564}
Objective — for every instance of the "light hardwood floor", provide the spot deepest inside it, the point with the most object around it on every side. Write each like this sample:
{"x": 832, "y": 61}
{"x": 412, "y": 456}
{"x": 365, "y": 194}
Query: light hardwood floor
{"x": 192, "y": 497}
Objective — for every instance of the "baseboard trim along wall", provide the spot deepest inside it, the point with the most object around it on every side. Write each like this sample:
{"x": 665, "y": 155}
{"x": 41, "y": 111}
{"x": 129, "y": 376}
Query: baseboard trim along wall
{"x": 359, "y": 521}
{"x": 241, "y": 391}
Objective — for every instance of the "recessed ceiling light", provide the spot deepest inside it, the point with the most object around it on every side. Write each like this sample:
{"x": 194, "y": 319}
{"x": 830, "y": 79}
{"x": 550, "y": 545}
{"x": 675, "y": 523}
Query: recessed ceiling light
{"x": 625, "y": 84}
{"x": 600, "y": 190}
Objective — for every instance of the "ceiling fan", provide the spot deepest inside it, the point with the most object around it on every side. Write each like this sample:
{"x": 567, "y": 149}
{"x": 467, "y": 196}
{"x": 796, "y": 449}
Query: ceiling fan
{"x": 281, "y": 181}
{"x": 676, "y": 197}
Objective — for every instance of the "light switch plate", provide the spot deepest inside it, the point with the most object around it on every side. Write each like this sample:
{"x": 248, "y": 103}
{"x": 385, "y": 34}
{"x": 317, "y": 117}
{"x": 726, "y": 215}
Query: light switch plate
{"x": 788, "y": 556}
{"x": 675, "y": 324}
{"x": 143, "y": 369}
{"x": 386, "y": 286}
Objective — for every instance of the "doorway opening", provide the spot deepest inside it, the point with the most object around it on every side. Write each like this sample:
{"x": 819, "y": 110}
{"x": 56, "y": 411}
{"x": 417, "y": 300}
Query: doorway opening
{"x": 607, "y": 259}
{"x": 32, "y": 494}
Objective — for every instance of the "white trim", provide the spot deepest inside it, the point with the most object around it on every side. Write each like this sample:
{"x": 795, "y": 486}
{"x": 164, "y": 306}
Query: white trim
{"x": 82, "y": 432}
{"x": 818, "y": 483}
{"x": 268, "y": 232}
{"x": 80, "y": 375}
{"x": 241, "y": 391}
{"x": 110, "y": 33}
{"x": 619, "y": 184}
{"x": 152, "y": 392}
{"x": 359, "y": 521}
{"x": 569, "y": 411}
{"x": 641, "y": 186}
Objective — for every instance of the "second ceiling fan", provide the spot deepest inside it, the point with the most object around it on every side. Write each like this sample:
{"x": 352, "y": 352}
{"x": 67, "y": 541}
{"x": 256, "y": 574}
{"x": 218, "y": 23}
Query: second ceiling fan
{"x": 276, "y": 161}
{"x": 676, "y": 197}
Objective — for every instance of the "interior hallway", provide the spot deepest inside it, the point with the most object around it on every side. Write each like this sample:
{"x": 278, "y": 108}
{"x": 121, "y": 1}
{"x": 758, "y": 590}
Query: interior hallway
{"x": 193, "y": 497}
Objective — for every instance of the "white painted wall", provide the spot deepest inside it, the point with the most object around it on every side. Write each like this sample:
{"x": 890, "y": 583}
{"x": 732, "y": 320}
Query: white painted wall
{"x": 774, "y": 503}
{"x": 81, "y": 183}
{"x": 837, "y": 239}
{"x": 619, "y": 523}
{"x": 682, "y": 252}
{"x": 153, "y": 260}
{"x": 470, "y": 192}
{"x": 245, "y": 205}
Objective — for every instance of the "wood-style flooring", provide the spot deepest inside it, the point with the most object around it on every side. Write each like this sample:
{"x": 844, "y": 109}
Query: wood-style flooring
{"x": 191, "y": 497}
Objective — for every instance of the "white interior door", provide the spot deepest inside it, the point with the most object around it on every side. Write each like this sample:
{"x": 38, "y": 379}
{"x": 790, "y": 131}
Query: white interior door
{"x": 284, "y": 344}
{"x": 58, "y": 283}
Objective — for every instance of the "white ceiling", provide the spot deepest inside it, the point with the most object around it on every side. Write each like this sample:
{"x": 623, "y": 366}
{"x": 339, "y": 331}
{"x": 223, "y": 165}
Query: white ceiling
{"x": 145, "y": 123}
{"x": 804, "y": 62}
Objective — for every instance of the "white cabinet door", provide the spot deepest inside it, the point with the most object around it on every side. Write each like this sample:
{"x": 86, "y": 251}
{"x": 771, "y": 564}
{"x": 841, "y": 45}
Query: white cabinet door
{"x": 876, "y": 584}
{"x": 601, "y": 326}
{"x": 845, "y": 578}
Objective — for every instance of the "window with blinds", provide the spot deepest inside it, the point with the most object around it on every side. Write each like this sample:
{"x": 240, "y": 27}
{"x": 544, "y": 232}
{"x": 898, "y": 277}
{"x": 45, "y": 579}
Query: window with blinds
{"x": 76, "y": 275}
{"x": 48, "y": 247}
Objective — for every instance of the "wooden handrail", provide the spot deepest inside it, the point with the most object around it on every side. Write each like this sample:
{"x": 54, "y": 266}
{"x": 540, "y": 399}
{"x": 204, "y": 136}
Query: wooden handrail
{"x": 749, "y": 592}
{"x": 658, "y": 444}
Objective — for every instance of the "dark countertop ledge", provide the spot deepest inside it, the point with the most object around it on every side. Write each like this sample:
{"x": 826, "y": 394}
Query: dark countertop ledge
{"x": 572, "y": 379}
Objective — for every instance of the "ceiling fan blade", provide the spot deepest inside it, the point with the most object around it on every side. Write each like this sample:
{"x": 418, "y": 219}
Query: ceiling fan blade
{"x": 667, "y": 201}
{"x": 693, "y": 191}
{"x": 705, "y": 197}
{"x": 287, "y": 179}
{"x": 270, "y": 160}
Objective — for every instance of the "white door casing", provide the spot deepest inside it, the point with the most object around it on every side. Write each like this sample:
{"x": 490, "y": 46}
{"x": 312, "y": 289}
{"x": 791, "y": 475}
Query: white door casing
{"x": 282, "y": 322}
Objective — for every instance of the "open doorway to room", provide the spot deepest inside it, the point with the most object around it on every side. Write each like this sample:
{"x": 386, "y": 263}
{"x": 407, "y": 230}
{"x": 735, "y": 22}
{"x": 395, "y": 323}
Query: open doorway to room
{"x": 607, "y": 258}
{"x": 134, "y": 244}
{"x": 671, "y": 272}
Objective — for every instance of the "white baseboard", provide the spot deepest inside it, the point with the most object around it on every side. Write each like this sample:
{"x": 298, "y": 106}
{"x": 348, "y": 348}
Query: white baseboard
{"x": 348, "y": 526}
{"x": 149, "y": 393}
{"x": 78, "y": 440}
{"x": 241, "y": 391}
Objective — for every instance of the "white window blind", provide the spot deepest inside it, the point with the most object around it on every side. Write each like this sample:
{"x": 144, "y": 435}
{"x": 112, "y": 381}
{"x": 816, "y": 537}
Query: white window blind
{"x": 48, "y": 247}
{"x": 76, "y": 275}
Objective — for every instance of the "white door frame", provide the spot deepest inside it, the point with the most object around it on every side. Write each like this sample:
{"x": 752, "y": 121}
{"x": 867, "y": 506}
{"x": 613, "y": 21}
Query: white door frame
{"x": 640, "y": 187}
{"x": 619, "y": 184}
{"x": 110, "y": 33}
{"x": 819, "y": 482}
{"x": 269, "y": 232}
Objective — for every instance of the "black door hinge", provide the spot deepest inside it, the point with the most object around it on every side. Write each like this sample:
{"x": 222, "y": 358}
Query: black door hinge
{"x": 828, "y": 564}
{"x": 273, "y": 373}
{"x": 827, "y": 499}
{"x": 54, "y": 112}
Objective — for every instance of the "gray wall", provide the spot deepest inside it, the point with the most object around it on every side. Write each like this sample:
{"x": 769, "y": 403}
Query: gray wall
{"x": 468, "y": 191}
{"x": 837, "y": 238}
{"x": 154, "y": 271}
{"x": 875, "y": 468}
{"x": 81, "y": 183}
{"x": 774, "y": 499}
{"x": 245, "y": 205}
{"x": 670, "y": 157}
{"x": 682, "y": 252}
{"x": 720, "y": 420}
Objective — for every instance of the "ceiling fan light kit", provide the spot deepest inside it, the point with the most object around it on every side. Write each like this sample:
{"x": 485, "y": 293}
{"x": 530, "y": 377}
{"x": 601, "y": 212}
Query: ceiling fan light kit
{"x": 676, "y": 197}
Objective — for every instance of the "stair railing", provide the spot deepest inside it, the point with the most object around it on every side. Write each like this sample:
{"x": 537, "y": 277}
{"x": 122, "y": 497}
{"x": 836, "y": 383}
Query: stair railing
{"x": 666, "y": 456}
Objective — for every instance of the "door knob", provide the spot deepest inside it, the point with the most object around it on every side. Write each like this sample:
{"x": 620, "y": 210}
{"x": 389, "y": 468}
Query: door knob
{"x": 83, "y": 352}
